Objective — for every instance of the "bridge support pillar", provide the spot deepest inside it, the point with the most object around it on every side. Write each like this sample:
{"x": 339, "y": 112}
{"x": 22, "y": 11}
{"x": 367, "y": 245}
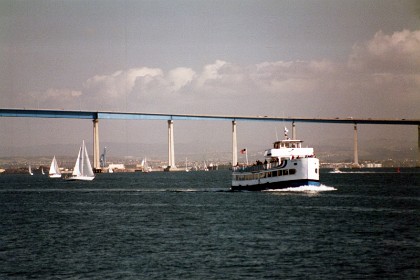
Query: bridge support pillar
{"x": 234, "y": 145}
{"x": 418, "y": 147}
{"x": 96, "y": 164}
{"x": 171, "y": 149}
{"x": 356, "y": 154}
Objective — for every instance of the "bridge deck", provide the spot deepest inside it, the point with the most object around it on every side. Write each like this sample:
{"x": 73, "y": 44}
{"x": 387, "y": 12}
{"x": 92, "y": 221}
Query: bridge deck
{"x": 36, "y": 113}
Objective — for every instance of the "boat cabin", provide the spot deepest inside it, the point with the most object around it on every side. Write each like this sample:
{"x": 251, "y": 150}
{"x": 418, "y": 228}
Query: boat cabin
{"x": 287, "y": 144}
{"x": 288, "y": 149}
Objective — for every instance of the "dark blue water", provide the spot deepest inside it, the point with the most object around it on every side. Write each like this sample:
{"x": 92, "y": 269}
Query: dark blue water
{"x": 188, "y": 226}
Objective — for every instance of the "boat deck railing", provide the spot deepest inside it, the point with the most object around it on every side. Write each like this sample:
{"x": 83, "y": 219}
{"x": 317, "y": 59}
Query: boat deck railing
{"x": 257, "y": 167}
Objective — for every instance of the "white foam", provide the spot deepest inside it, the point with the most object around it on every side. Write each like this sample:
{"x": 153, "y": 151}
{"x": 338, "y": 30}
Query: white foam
{"x": 321, "y": 188}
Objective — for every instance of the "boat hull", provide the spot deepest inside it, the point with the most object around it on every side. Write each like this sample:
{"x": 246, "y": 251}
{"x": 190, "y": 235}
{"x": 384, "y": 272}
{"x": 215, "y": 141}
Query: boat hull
{"x": 79, "y": 178}
{"x": 276, "y": 185}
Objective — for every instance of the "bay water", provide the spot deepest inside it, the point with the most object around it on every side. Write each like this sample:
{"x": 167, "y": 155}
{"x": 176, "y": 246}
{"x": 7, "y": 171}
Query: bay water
{"x": 360, "y": 224}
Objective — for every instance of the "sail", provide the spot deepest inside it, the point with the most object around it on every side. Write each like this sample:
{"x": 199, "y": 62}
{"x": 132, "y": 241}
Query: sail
{"x": 57, "y": 169}
{"x": 76, "y": 169}
{"x": 145, "y": 166}
{"x": 86, "y": 167}
{"x": 54, "y": 167}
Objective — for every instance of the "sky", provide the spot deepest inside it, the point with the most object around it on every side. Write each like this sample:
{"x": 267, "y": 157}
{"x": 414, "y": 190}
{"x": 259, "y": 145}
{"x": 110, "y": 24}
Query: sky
{"x": 297, "y": 58}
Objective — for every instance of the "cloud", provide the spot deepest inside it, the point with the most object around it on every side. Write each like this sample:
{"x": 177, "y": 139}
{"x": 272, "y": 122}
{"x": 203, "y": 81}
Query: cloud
{"x": 211, "y": 73}
{"x": 290, "y": 77}
{"x": 380, "y": 78}
{"x": 180, "y": 77}
{"x": 50, "y": 98}
{"x": 51, "y": 95}
{"x": 387, "y": 68}
{"x": 62, "y": 93}
{"x": 220, "y": 78}
{"x": 397, "y": 53}
{"x": 121, "y": 82}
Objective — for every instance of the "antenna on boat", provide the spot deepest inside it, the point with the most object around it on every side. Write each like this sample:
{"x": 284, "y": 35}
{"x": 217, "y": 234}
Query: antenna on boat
{"x": 285, "y": 128}
{"x": 277, "y": 137}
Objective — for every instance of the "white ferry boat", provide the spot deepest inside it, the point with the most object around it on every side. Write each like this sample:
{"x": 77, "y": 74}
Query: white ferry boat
{"x": 286, "y": 165}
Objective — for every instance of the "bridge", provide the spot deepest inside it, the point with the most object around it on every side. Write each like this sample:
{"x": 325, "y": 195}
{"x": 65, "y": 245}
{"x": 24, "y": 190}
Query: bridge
{"x": 95, "y": 116}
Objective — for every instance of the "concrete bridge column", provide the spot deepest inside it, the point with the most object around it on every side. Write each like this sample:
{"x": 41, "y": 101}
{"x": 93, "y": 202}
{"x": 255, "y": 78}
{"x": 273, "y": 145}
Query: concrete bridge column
{"x": 171, "y": 149}
{"x": 96, "y": 162}
{"x": 234, "y": 145}
{"x": 418, "y": 147}
{"x": 356, "y": 155}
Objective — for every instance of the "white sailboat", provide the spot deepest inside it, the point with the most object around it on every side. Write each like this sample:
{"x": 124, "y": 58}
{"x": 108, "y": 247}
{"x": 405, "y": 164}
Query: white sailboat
{"x": 145, "y": 166}
{"x": 54, "y": 170}
{"x": 30, "y": 170}
{"x": 82, "y": 169}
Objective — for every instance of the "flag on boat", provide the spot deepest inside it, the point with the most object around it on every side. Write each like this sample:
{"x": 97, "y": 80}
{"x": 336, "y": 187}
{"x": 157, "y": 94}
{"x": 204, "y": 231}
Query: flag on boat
{"x": 243, "y": 151}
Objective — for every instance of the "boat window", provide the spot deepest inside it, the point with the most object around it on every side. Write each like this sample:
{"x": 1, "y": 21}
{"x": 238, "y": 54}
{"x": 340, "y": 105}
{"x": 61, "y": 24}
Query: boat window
{"x": 292, "y": 171}
{"x": 316, "y": 170}
{"x": 285, "y": 172}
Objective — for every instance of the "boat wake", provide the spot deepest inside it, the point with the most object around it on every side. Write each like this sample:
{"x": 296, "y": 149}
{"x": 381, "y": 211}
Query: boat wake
{"x": 197, "y": 190}
{"x": 311, "y": 189}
